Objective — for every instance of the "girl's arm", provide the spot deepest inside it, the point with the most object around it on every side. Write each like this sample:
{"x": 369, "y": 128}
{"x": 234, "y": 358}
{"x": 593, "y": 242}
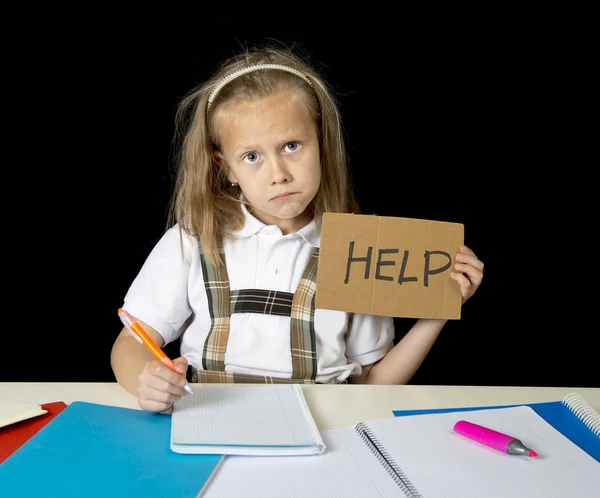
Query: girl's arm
{"x": 405, "y": 358}
{"x": 128, "y": 357}
{"x": 155, "y": 385}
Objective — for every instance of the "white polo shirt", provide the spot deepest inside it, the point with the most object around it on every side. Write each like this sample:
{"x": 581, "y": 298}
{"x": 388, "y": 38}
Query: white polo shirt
{"x": 169, "y": 295}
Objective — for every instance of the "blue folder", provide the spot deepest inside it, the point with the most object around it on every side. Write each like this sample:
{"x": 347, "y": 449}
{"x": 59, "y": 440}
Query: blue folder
{"x": 556, "y": 413}
{"x": 95, "y": 450}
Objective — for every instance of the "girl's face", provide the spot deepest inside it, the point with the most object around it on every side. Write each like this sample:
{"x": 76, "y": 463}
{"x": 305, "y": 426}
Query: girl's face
{"x": 270, "y": 148}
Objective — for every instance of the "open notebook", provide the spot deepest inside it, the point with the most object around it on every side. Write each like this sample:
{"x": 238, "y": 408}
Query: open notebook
{"x": 420, "y": 456}
{"x": 245, "y": 420}
{"x": 573, "y": 416}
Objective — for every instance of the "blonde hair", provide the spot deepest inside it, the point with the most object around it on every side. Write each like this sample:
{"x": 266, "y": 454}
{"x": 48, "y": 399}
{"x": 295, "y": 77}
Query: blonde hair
{"x": 204, "y": 203}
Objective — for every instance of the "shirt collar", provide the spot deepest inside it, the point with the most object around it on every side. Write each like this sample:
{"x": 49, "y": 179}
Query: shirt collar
{"x": 311, "y": 233}
{"x": 251, "y": 226}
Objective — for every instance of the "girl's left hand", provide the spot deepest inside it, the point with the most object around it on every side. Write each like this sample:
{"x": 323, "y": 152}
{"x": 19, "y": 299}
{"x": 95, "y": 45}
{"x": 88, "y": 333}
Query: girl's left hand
{"x": 469, "y": 274}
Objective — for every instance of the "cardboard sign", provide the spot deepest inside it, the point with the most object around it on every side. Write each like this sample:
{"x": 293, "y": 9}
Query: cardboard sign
{"x": 389, "y": 266}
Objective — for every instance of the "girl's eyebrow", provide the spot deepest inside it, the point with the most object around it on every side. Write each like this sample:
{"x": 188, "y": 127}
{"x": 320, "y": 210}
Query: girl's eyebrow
{"x": 242, "y": 148}
{"x": 299, "y": 137}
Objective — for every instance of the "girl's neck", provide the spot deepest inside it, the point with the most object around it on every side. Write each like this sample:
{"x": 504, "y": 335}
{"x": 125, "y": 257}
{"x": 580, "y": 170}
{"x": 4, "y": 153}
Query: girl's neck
{"x": 285, "y": 225}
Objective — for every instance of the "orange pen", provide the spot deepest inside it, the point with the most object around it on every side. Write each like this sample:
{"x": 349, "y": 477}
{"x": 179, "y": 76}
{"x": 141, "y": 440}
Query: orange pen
{"x": 140, "y": 336}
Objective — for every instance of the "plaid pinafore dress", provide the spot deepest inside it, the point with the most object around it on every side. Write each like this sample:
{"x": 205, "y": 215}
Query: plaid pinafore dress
{"x": 222, "y": 302}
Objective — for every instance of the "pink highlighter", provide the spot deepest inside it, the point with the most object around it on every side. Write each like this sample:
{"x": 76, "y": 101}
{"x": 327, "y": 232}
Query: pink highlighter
{"x": 493, "y": 439}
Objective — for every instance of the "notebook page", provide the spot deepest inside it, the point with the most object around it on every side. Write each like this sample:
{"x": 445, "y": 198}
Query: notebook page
{"x": 12, "y": 411}
{"x": 346, "y": 469}
{"x": 441, "y": 463}
{"x": 245, "y": 415}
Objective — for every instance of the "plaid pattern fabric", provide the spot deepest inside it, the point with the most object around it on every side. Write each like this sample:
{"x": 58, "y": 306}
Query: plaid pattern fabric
{"x": 216, "y": 282}
{"x": 211, "y": 377}
{"x": 303, "y": 343}
{"x": 261, "y": 301}
{"x": 222, "y": 302}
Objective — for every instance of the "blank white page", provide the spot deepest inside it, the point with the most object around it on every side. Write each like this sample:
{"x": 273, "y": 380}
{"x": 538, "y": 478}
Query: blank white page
{"x": 441, "y": 463}
{"x": 244, "y": 415}
{"x": 346, "y": 469}
{"x": 12, "y": 411}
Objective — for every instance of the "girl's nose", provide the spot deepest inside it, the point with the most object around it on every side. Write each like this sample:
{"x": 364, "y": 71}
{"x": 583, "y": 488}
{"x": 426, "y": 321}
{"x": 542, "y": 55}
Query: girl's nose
{"x": 279, "y": 172}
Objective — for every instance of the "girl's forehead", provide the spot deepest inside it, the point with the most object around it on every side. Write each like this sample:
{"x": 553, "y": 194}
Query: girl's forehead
{"x": 275, "y": 115}
{"x": 260, "y": 104}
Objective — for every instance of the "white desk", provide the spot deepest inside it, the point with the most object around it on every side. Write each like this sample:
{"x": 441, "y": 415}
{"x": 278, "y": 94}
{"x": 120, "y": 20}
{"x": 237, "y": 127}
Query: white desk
{"x": 332, "y": 406}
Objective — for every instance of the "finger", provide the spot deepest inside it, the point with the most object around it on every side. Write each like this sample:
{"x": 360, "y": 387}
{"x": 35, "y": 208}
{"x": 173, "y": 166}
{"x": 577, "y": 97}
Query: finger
{"x": 470, "y": 259}
{"x": 156, "y": 396}
{"x": 469, "y": 252}
{"x": 465, "y": 250}
{"x": 181, "y": 365}
{"x": 463, "y": 281}
{"x": 154, "y": 400}
{"x": 161, "y": 371}
{"x": 153, "y": 406}
{"x": 473, "y": 273}
{"x": 158, "y": 384}
{"x": 173, "y": 384}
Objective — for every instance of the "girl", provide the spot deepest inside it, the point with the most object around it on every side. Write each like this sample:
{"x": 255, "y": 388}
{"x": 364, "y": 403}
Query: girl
{"x": 233, "y": 278}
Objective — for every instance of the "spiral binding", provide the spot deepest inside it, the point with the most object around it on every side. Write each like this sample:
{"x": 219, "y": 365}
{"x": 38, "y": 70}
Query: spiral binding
{"x": 583, "y": 411}
{"x": 387, "y": 461}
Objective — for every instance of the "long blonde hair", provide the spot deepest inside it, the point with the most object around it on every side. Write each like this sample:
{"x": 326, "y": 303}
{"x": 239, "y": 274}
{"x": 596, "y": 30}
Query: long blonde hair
{"x": 204, "y": 203}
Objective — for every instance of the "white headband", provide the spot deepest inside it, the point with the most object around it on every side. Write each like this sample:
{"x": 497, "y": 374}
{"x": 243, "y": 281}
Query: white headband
{"x": 249, "y": 69}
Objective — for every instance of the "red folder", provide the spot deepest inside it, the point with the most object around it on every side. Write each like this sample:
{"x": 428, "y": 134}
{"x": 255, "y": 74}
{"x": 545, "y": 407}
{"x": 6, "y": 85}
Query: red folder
{"x": 14, "y": 435}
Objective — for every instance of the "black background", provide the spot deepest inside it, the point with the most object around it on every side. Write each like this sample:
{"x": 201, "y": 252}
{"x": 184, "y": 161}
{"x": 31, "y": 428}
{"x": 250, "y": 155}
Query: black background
{"x": 451, "y": 113}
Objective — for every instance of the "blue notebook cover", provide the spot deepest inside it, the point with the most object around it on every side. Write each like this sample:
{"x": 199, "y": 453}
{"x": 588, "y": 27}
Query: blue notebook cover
{"x": 556, "y": 413}
{"x": 94, "y": 450}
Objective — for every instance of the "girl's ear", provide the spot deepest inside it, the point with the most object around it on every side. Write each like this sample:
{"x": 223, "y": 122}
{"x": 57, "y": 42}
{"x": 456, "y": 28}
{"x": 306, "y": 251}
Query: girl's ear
{"x": 220, "y": 160}
{"x": 231, "y": 177}
{"x": 218, "y": 157}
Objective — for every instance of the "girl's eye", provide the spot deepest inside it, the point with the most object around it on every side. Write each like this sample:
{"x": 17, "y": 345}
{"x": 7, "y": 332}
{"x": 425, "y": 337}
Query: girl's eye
{"x": 292, "y": 146}
{"x": 252, "y": 157}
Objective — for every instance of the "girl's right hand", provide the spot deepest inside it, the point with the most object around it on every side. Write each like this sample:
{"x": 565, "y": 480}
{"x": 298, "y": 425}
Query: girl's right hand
{"x": 159, "y": 387}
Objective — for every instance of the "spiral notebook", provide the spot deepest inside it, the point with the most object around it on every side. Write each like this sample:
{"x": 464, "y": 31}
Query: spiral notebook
{"x": 420, "y": 456}
{"x": 573, "y": 417}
